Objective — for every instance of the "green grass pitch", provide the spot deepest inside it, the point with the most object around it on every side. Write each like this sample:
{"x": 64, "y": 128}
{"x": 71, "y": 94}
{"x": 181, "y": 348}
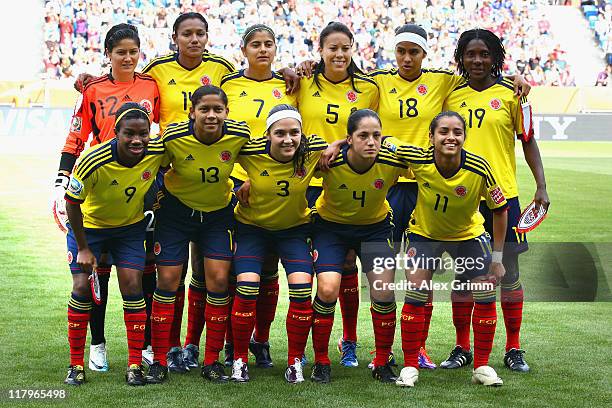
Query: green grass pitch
{"x": 568, "y": 344}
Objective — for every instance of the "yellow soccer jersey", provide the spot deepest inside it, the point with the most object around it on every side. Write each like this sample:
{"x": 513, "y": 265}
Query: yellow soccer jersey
{"x": 278, "y": 193}
{"x": 493, "y": 117}
{"x": 112, "y": 195}
{"x": 199, "y": 176}
{"x": 356, "y": 198}
{"x": 447, "y": 208}
{"x": 250, "y": 101}
{"x": 176, "y": 83}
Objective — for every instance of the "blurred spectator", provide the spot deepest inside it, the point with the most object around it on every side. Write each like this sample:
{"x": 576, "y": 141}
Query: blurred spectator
{"x": 604, "y": 76}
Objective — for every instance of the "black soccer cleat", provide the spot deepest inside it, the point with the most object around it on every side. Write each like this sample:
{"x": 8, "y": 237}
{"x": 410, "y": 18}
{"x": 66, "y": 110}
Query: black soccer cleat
{"x": 261, "y": 351}
{"x": 229, "y": 354}
{"x": 457, "y": 359}
{"x": 134, "y": 375}
{"x": 157, "y": 373}
{"x": 191, "y": 353}
{"x": 515, "y": 361}
{"x": 215, "y": 373}
{"x": 175, "y": 361}
{"x": 76, "y": 375}
{"x": 321, "y": 373}
{"x": 384, "y": 374}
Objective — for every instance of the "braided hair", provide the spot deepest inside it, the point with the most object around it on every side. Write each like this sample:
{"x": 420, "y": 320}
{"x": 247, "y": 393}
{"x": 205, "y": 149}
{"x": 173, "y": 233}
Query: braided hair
{"x": 493, "y": 43}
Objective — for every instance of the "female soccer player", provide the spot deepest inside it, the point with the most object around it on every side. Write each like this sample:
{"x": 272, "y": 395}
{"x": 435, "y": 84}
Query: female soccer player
{"x": 94, "y": 122}
{"x": 494, "y": 116}
{"x": 276, "y": 219}
{"x": 446, "y": 219}
{"x": 196, "y": 206}
{"x": 105, "y": 199}
{"x": 251, "y": 93}
{"x": 352, "y": 213}
{"x": 326, "y": 100}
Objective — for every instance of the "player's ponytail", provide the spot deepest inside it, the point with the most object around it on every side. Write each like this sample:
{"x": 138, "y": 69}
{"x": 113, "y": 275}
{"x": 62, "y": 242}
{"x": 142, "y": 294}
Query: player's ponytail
{"x": 302, "y": 153}
{"x": 120, "y": 32}
{"x": 130, "y": 110}
{"x": 493, "y": 43}
{"x": 336, "y": 27}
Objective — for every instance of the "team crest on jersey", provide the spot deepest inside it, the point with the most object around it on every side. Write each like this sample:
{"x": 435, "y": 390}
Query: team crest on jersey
{"x": 205, "y": 80}
{"x": 422, "y": 89}
{"x": 157, "y": 248}
{"x": 378, "y": 184}
{"x": 495, "y": 104}
{"x": 351, "y": 96}
{"x": 225, "y": 156}
{"x": 461, "y": 191}
{"x": 70, "y": 257}
{"x": 145, "y": 103}
{"x": 277, "y": 94}
{"x": 411, "y": 253}
{"x": 75, "y": 186}
{"x": 146, "y": 175}
{"x": 497, "y": 195}
{"x": 75, "y": 125}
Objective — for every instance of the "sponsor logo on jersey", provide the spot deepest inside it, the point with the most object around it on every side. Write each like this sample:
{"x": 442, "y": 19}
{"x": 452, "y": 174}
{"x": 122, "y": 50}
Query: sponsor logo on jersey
{"x": 264, "y": 173}
{"x": 351, "y": 96}
{"x": 342, "y": 187}
{"x": 379, "y": 183}
{"x": 393, "y": 91}
{"x": 145, "y": 103}
{"x": 205, "y": 80}
{"x": 70, "y": 257}
{"x": 189, "y": 157}
{"x": 316, "y": 94}
{"x": 75, "y": 126}
{"x": 277, "y": 94}
{"x": 422, "y": 89}
{"x": 460, "y": 191}
{"x": 243, "y": 94}
{"x": 495, "y": 104}
{"x": 75, "y": 186}
{"x": 225, "y": 156}
{"x": 127, "y": 98}
{"x": 172, "y": 82}
{"x": 114, "y": 183}
{"x": 146, "y": 175}
{"x": 497, "y": 195}
{"x": 463, "y": 105}
{"x": 157, "y": 248}
{"x": 426, "y": 184}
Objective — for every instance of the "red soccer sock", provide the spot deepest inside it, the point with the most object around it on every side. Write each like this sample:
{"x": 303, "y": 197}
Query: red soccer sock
{"x": 299, "y": 320}
{"x": 412, "y": 320}
{"x": 196, "y": 297}
{"x": 217, "y": 311}
{"x": 349, "y": 305}
{"x": 135, "y": 318}
{"x": 462, "y": 305}
{"x": 266, "y": 309}
{"x": 484, "y": 322}
{"x": 78, "y": 317}
{"x": 427, "y": 312}
{"x": 162, "y": 314}
{"x": 177, "y": 321}
{"x": 322, "y": 324}
{"x": 243, "y": 318}
{"x": 512, "y": 307}
{"x": 383, "y": 321}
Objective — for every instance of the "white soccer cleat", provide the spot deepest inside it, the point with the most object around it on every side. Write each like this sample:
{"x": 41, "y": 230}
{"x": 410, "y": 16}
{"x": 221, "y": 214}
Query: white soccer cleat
{"x": 240, "y": 371}
{"x": 294, "y": 373}
{"x": 97, "y": 357}
{"x": 148, "y": 356}
{"x": 486, "y": 375}
{"x": 408, "y": 376}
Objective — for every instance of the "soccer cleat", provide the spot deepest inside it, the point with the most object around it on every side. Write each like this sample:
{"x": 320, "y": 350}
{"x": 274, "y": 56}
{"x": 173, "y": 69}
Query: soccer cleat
{"x": 240, "y": 371}
{"x": 229, "y": 354}
{"x": 134, "y": 375}
{"x": 215, "y": 373}
{"x": 321, "y": 373}
{"x": 425, "y": 361}
{"x": 486, "y": 375}
{"x": 458, "y": 358}
{"x": 97, "y": 358}
{"x": 384, "y": 374}
{"x": 391, "y": 360}
{"x": 515, "y": 361}
{"x": 261, "y": 351}
{"x": 175, "y": 361}
{"x": 148, "y": 356}
{"x": 76, "y": 375}
{"x": 349, "y": 357}
{"x": 294, "y": 373}
{"x": 157, "y": 373}
{"x": 408, "y": 377}
{"x": 191, "y": 353}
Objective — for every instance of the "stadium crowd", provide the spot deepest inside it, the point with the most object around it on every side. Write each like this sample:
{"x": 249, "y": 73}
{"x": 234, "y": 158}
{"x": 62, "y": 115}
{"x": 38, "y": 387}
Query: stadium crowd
{"x": 74, "y": 29}
{"x": 599, "y": 16}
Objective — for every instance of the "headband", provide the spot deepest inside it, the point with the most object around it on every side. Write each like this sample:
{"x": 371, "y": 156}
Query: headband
{"x": 283, "y": 114}
{"x": 258, "y": 28}
{"x": 413, "y": 38}
{"x": 130, "y": 110}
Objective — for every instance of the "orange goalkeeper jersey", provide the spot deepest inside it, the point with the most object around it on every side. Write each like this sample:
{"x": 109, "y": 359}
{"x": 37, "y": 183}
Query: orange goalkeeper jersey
{"x": 94, "y": 113}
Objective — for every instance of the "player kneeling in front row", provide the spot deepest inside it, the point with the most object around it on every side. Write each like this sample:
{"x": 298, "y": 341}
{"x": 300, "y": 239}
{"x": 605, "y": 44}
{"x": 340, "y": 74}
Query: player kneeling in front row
{"x": 446, "y": 219}
{"x": 104, "y": 203}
